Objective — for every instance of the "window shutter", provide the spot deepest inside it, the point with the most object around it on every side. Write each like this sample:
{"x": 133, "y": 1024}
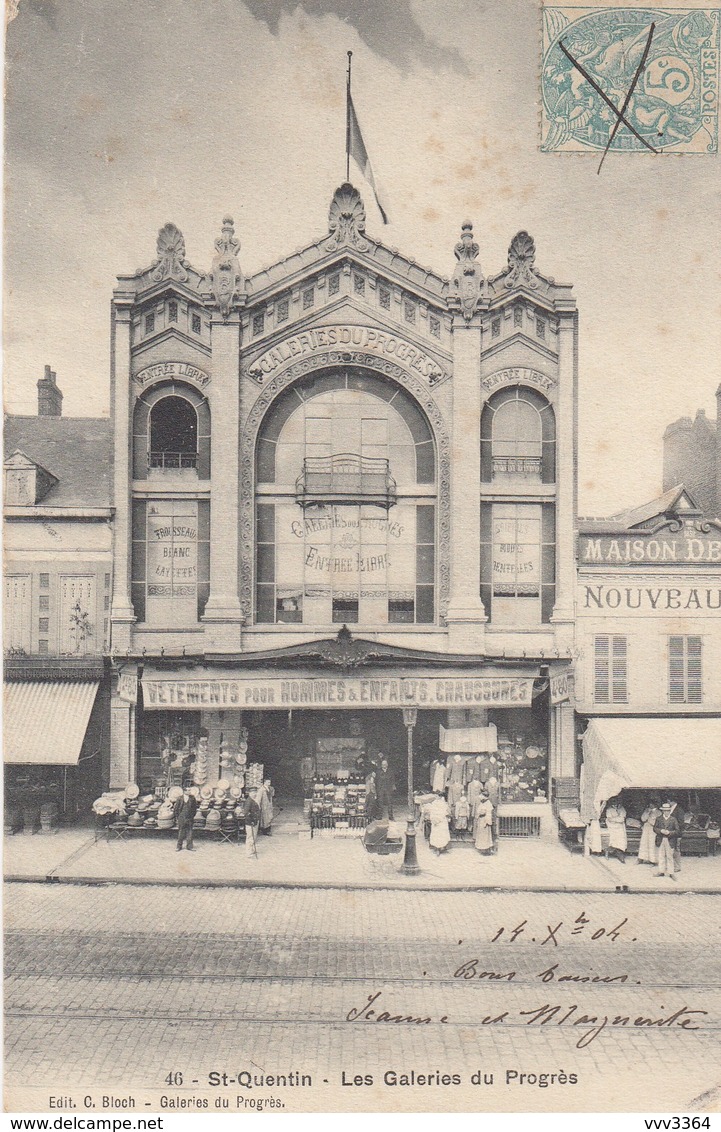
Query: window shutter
{"x": 601, "y": 670}
{"x": 694, "y": 676}
{"x": 676, "y": 670}
{"x": 619, "y": 672}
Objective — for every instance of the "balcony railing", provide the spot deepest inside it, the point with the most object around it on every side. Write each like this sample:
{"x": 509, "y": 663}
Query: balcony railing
{"x": 345, "y": 478}
{"x": 517, "y": 465}
{"x": 173, "y": 460}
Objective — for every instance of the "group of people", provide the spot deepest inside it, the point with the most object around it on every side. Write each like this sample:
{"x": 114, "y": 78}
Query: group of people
{"x": 437, "y": 815}
{"x": 257, "y": 815}
{"x": 661, "y": 828}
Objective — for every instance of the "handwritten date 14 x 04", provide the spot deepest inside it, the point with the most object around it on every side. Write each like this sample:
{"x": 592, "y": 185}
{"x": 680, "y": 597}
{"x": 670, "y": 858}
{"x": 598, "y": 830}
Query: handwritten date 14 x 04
{"x": 580, "y": 927}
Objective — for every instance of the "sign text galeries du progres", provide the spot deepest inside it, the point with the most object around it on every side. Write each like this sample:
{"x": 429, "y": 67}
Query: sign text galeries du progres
{"x": 355, "y": 692}
{"x": 348, "y": 337}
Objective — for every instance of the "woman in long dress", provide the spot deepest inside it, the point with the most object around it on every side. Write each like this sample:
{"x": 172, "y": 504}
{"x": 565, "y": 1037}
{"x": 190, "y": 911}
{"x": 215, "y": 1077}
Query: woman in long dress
{"x": 439, "y": 812}
{"x": 483, "y": 824}
{"x": 647, "y": 851}
{"x": 616, "y": 826}
{"x": 264, "y": 798}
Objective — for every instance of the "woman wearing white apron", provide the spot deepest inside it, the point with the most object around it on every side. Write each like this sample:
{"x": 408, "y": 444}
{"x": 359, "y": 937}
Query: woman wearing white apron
{"x": 647, "y": 851}
{"x": 439, "y": 813}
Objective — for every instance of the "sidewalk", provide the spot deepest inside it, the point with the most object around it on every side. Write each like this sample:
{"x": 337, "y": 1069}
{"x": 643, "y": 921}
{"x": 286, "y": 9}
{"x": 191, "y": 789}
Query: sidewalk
{"x": 543, "y": 865}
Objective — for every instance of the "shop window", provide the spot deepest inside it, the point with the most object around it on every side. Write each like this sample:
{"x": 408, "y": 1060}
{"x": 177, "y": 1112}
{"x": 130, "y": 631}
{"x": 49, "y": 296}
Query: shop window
{"x": 685, "y": 677}
{"x": 172, "y": 311}
{"x": 610, "y": 670}
{"x": 289, "y": 608}
{"x": 518, "y": 438}
{"x": 401, "y": 611}
{"x": 17, "y": 613}
{"x": 334, "y": 284}
{"x": 173, "y": 434}
{"x": 170, "y": 561}
{"x": 195, "y": 323}
{"x": 168, "y": 743}
{"x": 435, "y": 326}
{"x": 345, "y": 610}
{"x": 518, "y": 562}
{"x": 384, "y": 298}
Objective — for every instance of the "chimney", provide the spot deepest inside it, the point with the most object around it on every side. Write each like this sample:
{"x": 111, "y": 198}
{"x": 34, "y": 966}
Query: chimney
{"x": 50, "y": 399}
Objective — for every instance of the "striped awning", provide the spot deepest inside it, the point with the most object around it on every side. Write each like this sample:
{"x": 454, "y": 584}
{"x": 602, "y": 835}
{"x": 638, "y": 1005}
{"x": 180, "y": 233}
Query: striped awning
{"x": 45, "y": 721}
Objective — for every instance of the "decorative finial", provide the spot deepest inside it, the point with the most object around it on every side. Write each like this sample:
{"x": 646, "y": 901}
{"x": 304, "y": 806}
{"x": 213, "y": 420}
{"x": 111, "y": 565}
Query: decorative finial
{"x": 226, "y": 278}
{"x": 171, "y": 262}
{"x": 467, "y": 277}
{"x": 521, "y": 259}
{"x": 347, "y": 219}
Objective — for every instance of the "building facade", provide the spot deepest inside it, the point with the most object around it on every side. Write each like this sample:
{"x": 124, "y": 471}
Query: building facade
{"x": 342, "y": 486}
{"x": 56, "y": 606}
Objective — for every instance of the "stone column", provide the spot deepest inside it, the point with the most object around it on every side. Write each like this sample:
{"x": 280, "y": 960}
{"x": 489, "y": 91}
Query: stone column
{"x": 222, "y": 615}
{"x": 466, "y": 615}
{"x": 122, "y": 615}
{"x": 566, "y": 476}
{"x": 122, "y": 742}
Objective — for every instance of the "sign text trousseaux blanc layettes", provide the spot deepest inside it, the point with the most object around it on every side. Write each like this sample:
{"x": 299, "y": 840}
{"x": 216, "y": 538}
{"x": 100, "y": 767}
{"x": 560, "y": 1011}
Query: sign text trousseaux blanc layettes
{"x": 361, "y": 337}
{"x": 355, "y": 692}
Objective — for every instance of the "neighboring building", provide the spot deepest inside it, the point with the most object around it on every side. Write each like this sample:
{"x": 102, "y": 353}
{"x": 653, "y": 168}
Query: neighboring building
{"x": 648, "y": 674}
{"x": 57, "y": 586}
{"x": 345, "y": 439}
{"x": 692, "y": 456}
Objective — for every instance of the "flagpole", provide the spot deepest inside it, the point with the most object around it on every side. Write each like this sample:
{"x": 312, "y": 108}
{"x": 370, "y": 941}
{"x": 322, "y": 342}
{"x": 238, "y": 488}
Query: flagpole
{"x": 347, "y": 121}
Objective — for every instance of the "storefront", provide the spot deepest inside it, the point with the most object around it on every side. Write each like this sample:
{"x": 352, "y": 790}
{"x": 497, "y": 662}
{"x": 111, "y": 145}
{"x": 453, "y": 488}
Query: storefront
{"x": 54, "y": 738}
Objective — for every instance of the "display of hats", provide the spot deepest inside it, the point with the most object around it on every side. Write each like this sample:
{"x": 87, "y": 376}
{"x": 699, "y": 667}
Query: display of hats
{"x": 164, "y": 823}
{"x": 150, "y": 822}
{"x": 174, "y": 793}
{"x": 199, "y": 821}
{"x": 212, "y": 820}
{"x": 235, "y": 792}
{"x": 135, "y": 820}
{"x": 223, "y": 784}
{"x": 239, "y": 812}
{"x": 206, "y": 792}
{"x": 132, "y": 790}
{"x": 195, "y": 791}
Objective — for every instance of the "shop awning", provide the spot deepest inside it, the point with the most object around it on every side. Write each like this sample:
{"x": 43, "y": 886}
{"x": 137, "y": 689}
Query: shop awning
{"x": 672, "y": 754}
{"x": 46, "y": 721}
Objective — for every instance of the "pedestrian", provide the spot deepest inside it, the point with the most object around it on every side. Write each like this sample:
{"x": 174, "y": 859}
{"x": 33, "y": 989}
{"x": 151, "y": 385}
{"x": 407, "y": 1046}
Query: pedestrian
{"x": 184, "y": 811}
{"x": 439, "y": 812}
{"x": 264, "y": 798}
{"x": 647, "y": 852}
{"x": 371, "y": 802}
{"x": 667, "y": 831}
{"x": 385, "y": 787}
{"x": 251, "y": 814}
{"x": 483, "y": 824}
{"x": 680, "y": 817}
{"x": 616, "y": 826}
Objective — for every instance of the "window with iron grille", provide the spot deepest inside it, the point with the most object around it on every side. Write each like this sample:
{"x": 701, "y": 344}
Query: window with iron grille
{"x": 435, "y": 326}
{"x": 282, "y": 310}
{"x": 334, "y": 285}
{"x": 685, "y": 678}
{"x": 610, "y": 670}
{"x": 258, "y": 323}
{"x": 540, "y": 328}
{"x": 308, "y": 298}
{"x": 195, "y": 324}
{"x": 409, "y": 311}
{"x": 172, "y": 311}
{"x": 384, "y": 297}
{"x": 359, "y": 285}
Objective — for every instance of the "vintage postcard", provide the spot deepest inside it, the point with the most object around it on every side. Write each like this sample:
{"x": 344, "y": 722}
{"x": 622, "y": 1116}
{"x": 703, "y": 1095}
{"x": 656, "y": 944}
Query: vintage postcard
{"x": 362, "y": 558}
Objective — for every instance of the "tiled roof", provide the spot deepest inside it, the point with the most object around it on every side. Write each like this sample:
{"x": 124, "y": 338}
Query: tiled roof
{"x": 76, "y": 450}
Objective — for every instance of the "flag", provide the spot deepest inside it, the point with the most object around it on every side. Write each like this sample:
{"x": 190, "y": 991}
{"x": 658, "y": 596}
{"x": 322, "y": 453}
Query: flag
{"x": 357, "y": 150}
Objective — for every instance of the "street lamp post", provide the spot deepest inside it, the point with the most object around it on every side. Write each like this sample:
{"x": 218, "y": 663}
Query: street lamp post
{"x": 410, "y": 861}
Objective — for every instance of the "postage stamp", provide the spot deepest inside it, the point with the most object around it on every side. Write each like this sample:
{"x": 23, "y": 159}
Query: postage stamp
{"x": 644, "y": 79}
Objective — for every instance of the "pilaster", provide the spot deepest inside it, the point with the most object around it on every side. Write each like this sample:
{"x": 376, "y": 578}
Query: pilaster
{"x": 122, "y": 615}
{"x": 566, "y": 473}
{"x": 122, "y": 742}
{"x": 223, "y": 617}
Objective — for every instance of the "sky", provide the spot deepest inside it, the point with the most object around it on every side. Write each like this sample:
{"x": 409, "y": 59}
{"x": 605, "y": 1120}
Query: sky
{"x": 123, "y": 116}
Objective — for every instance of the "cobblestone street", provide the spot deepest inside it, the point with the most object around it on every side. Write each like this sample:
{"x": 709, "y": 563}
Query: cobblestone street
{"x": 110, "y": 990}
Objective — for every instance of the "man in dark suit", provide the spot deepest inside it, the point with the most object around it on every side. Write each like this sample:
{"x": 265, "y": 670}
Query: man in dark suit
{"x": 385, "y": 788}
{"x": 184, "y": 812}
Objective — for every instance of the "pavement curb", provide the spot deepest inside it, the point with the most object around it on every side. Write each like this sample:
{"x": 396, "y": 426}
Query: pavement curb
{"x": 200, "y": 882}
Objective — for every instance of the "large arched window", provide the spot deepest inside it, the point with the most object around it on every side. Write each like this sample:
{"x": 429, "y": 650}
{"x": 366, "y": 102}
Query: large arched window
{"x": 518, "y": 438}
{"x": 173, "y": 434}
{"x": 171, "y": 429}
{"x": 345, "y": 504}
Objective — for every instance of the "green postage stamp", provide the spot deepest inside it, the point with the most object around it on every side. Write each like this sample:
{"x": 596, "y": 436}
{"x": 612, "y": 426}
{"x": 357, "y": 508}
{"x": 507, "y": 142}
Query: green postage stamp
{"x": 630, "y": 79}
